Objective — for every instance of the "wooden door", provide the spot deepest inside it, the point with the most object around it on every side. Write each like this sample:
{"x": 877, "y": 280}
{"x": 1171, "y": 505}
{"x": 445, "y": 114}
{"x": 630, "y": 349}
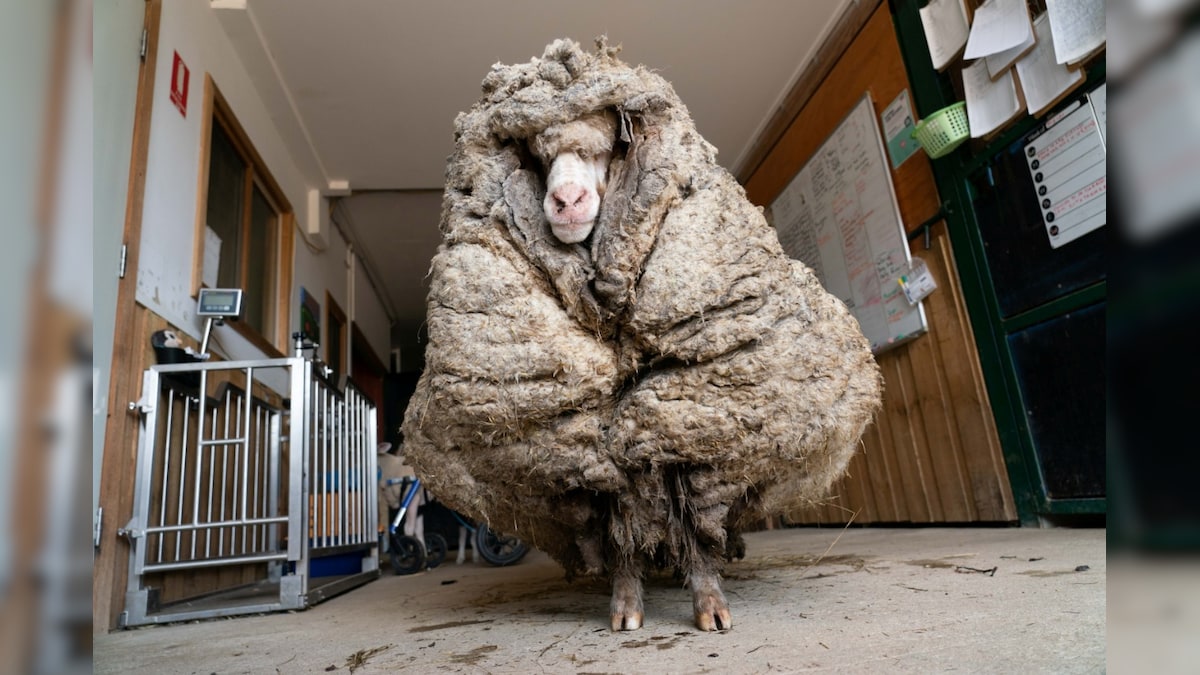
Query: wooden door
{"x": 933, "y": 454}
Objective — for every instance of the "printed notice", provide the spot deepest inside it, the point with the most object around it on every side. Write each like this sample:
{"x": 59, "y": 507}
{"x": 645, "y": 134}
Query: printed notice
{"x": 898, "y": 128}
{"x": 1070, "y": 175}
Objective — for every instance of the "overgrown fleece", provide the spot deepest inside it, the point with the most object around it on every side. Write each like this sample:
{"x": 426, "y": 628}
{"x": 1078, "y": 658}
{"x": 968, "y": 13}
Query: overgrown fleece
{"x": 656, "y": 388}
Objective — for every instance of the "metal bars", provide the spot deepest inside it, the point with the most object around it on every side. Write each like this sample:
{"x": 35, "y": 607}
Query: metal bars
{"x": 210, "y": 453}
{"x": 341, "y": 484}
{"x": 228, "y": 453}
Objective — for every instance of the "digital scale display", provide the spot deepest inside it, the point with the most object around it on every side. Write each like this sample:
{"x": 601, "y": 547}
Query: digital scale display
{"x": 225, "y": 302}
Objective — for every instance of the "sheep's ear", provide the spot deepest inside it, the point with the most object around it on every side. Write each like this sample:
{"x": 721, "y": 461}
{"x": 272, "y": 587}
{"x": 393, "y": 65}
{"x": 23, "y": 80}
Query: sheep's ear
{"x": 624, "y": 126}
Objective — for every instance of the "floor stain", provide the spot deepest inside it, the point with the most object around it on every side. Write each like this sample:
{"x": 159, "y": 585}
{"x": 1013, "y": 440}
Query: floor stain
{"x": 474, "y": 656}
{"x": 634, "y": 644}
{"x": 750, "y": 567}
{"x": 940, "y": 563}
{"x": 1048, "y": 573}
{"x": 449, "y": 624}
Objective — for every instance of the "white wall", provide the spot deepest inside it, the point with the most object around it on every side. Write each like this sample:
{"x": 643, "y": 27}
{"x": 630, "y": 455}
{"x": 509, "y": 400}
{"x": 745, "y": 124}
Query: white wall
{"x": 372, "y": 318}
{"x": 321, "y": 272}
{"x": 169, "y": 219}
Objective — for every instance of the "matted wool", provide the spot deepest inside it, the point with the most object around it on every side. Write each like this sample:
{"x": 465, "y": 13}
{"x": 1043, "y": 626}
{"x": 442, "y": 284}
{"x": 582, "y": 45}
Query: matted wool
{"x": 662, "y": 385}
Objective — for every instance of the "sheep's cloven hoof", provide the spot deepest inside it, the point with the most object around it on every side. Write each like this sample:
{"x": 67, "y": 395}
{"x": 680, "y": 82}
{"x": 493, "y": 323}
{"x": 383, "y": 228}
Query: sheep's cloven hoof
{"x": 712, "y": 611}
{"x": 627, "y": 610}
{"x": 630, "y": 621}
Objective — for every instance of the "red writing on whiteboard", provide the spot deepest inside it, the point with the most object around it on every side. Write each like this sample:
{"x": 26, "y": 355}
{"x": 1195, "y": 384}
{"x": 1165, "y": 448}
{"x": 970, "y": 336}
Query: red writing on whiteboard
{"x": 1082, "y": 196}
{"x": 1066, "y": 140}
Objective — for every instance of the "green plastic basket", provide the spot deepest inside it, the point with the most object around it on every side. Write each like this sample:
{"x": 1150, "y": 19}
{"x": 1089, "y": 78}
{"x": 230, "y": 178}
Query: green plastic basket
{"x": 944, "y": 130}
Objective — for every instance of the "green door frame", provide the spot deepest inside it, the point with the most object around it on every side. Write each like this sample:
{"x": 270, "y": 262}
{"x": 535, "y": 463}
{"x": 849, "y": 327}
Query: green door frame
{"x": 931, "y": 92}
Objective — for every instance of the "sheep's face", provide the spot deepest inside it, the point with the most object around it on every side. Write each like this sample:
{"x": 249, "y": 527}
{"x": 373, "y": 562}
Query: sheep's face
{"x": 576, "y": 155}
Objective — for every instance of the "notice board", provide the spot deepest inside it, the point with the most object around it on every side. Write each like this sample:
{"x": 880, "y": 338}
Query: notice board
{"x": 840, "y": 217}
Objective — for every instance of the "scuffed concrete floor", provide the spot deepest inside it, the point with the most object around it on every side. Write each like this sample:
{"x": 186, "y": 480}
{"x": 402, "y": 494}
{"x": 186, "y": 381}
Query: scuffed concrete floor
{"x": 803, "y": 600}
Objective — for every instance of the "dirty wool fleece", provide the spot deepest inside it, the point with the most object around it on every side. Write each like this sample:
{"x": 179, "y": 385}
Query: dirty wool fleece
{"x": 658, "y": 387}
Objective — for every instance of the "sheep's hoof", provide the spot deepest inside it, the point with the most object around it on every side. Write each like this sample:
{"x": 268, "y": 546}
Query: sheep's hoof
{"x": 628, "y": 621}
{"x": 712, "y": 611}
{"x": 626, "y": 610}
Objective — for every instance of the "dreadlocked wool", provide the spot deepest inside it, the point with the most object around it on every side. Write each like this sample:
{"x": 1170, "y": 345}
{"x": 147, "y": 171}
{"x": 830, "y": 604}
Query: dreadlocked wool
{"x": 659, "y": 386}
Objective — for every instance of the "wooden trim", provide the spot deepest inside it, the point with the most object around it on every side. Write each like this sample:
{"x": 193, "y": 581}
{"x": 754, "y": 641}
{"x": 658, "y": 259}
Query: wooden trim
{"x": 852, "y": 21}
{"x": 116, "y": 481}
{"x": 283, "y": 277}
{"x": 198, "y": 238}
{"x": 243, "y": 262}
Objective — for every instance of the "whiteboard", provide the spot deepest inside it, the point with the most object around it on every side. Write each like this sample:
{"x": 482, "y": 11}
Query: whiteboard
{"x": 839, "y": 216}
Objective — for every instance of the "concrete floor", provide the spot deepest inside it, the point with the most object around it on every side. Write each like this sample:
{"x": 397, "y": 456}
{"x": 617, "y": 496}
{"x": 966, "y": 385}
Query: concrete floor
{"x": 803, "y": 600}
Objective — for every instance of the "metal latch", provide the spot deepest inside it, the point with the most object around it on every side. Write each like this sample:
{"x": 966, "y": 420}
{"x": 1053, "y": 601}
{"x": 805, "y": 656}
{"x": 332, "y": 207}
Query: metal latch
{"x": 131, "y": 532}
{"x": 142, "y": 405}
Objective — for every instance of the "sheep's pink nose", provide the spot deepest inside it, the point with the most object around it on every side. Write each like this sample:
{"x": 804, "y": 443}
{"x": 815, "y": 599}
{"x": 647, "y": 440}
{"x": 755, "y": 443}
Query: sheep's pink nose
{"x": 569, "y": 198}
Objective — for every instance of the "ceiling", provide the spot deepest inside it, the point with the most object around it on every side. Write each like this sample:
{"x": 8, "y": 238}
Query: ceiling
{"x": 365, "y": 92}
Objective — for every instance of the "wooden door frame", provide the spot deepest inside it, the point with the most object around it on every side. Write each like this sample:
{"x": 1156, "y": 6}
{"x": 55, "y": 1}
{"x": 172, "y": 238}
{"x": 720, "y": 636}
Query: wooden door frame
{"x": 116, "y": 488}
{"x": 334, "y": 311}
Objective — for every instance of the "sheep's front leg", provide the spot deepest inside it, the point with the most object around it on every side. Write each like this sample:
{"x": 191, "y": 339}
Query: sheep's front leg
{"x": 708, "y": 602}
{"x": 626, "y": 610}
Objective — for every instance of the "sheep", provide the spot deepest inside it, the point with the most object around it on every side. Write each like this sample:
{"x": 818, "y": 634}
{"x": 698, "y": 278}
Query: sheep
{"x": 576, "y": 154}
{"x": 623, "y": 367}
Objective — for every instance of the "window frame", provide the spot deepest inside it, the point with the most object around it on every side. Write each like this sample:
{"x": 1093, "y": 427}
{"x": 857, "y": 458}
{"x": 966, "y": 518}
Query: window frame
{"x": 216, "y": 108}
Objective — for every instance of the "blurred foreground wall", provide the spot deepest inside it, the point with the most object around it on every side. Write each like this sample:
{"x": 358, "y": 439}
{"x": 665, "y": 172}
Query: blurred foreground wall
{"x": 1153, "y": 331}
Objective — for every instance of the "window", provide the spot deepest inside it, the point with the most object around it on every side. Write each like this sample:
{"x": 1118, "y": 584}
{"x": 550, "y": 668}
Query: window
{"x": 243, "y": 232}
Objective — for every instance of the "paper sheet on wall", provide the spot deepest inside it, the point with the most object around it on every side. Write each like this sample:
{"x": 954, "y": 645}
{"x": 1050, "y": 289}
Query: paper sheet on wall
{"x": 1001, "y": 61}
{"x": 1078, "y": 27}
{"x": 898, "y": 128}
{"x": 1044, "y": 81}
{"x": 212, "y": 257}
{"x": 946, "y": 29}
{"x": 999, "y": 25}
{"x": 1069, "y": 168}
{"x": 990, "y": 104}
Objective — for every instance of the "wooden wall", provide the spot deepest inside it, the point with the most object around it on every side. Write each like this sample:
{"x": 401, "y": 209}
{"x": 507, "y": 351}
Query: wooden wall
{"x": 933, "y": 455}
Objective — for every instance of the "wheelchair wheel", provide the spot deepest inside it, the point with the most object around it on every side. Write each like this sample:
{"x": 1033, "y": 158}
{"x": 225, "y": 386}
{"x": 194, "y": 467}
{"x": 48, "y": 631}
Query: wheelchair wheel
{"x": 435, "y": 550}
{"x": 498, "y": 549}
{"x": 407, "y": 554}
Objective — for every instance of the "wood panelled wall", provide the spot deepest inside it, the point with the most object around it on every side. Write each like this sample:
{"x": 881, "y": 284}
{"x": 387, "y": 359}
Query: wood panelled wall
{"x": 933, "y": 454}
